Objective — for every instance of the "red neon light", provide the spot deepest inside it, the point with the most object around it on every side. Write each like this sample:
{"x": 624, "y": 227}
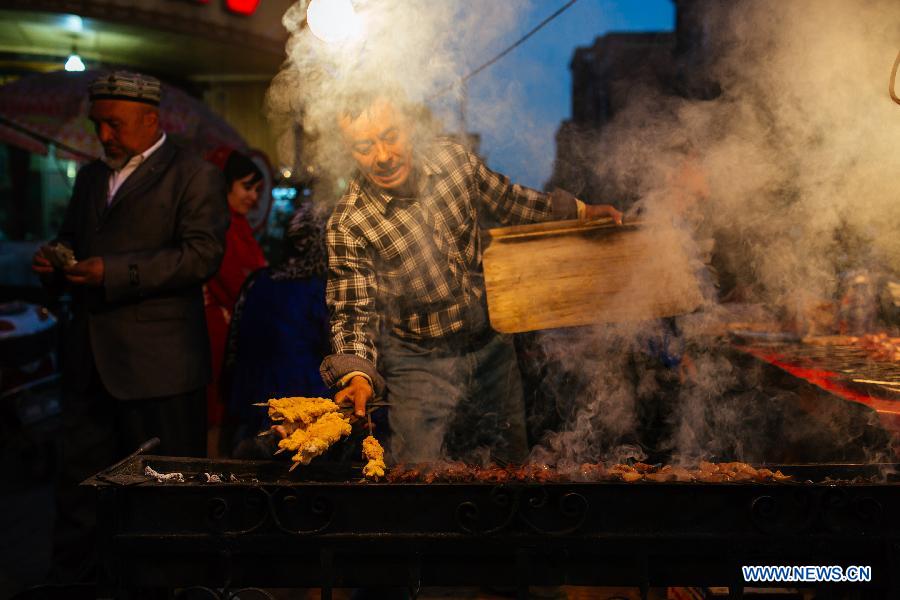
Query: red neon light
{"x": 242, "y": 7}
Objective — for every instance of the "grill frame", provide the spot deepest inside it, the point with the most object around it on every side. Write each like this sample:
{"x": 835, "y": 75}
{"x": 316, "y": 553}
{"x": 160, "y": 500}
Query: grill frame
{"x": 832, "y": 369}
{"x": 286, "y": 532}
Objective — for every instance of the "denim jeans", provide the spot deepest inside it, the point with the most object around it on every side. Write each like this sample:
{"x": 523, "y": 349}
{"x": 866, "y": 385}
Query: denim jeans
{"x": 453, "y": 403}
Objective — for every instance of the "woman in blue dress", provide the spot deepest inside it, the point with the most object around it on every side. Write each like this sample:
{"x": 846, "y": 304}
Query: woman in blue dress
{"x": 279, "y": 332}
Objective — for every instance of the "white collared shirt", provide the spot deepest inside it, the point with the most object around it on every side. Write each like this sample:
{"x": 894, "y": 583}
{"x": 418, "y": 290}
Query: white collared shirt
{"x": 117, "y": 178}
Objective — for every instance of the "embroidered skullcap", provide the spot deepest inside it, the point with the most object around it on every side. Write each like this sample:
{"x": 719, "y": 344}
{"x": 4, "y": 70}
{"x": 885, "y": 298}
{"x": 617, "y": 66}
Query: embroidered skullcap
{"x": 123, "y": 85}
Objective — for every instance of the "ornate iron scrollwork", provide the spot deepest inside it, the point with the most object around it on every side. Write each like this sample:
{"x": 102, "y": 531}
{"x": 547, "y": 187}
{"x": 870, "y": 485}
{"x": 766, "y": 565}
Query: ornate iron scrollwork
{"x": 786, "y": 511}
{"x": 530, "y": 505}
{"x": 833, "y": 509}
{"x": 243, "y": 517}
{"x": 571, "y": 506}
{"x": 286, "y": 509}
{"x": 289, "y": 514}
{"x": 844, "y": 511}
{"x": 469, "y": 514}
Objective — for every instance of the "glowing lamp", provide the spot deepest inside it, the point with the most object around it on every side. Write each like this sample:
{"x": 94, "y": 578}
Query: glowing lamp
{"x": 332, "y": 21}
{"x": 74, "y": 62}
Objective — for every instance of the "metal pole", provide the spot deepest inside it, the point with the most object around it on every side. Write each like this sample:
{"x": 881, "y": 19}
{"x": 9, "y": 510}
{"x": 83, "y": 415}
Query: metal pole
{"x": 463, "y": 109}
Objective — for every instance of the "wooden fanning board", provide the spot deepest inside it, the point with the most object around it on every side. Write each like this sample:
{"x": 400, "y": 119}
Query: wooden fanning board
{"x": 569, "y": 273}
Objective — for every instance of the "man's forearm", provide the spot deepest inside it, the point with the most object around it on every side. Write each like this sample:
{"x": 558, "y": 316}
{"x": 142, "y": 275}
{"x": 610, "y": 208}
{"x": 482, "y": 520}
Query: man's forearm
{"x": 337, "y": 369}
{"x": 563, "y": 205}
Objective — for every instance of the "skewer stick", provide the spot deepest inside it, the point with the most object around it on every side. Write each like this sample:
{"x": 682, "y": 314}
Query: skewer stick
{"x": 876, "y": 382}
{"x": 294, "y": 466}
{"x": 369, "y": 406}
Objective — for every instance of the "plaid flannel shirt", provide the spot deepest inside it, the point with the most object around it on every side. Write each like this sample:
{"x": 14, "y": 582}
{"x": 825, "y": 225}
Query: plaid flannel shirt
{"x": 416, "y": 262}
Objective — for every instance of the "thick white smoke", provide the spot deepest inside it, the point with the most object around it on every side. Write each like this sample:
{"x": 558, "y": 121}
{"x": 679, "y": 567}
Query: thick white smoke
{"x": 798, "y": 154}
{"x": 419, "y": 47}
{"x": 791, "y": 171}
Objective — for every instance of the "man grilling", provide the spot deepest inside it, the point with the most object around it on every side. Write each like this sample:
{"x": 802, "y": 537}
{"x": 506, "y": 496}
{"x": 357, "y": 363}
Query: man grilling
{"x": 406, "y": 287}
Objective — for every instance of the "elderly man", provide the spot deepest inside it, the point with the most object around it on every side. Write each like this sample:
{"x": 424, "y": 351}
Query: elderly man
{"x": 406, "y": 288}
{"x": 146, "y": 225}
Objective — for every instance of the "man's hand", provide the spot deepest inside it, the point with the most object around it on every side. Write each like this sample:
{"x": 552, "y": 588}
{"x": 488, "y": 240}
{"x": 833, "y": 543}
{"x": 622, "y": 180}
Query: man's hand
{"x": 87, "y": 272}
{"x": 359, "y": 392}
{"x": 40, "y": 264}
{"x": 600, "y": 211}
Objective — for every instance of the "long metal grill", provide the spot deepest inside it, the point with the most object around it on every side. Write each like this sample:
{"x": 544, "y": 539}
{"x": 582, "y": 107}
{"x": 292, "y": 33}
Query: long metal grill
{"x": 265, "y": 528}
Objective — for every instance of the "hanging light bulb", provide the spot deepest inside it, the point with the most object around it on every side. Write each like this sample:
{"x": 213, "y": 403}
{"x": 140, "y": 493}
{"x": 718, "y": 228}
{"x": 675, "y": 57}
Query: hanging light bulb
{"x": 332, "y": 21}
{"x": 74, "y": 62}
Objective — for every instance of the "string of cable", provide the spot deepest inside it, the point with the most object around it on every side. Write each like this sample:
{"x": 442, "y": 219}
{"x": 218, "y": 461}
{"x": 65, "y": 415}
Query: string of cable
{"x": 507, "y": 50}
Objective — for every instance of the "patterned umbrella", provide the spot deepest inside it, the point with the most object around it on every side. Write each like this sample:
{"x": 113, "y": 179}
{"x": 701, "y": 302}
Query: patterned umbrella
{"x": 52, "y": 108}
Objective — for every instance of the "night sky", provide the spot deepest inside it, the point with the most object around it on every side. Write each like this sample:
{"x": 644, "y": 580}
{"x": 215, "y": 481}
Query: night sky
{"x": 536, "y": 75}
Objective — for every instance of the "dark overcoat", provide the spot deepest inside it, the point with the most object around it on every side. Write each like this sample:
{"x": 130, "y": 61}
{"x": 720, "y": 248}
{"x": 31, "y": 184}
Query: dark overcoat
{"x": 160, "y": 238}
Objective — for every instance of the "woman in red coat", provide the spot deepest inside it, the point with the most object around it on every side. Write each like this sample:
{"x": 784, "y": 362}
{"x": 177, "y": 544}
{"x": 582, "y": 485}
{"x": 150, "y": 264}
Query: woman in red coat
{"x": 242, "y": 256}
